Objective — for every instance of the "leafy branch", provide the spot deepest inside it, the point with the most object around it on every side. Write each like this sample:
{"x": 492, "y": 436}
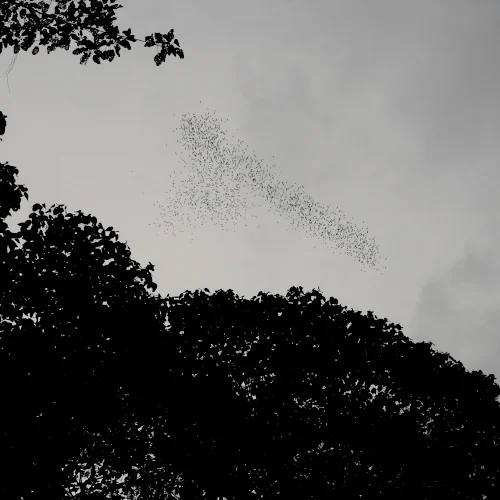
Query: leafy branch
{"x": 22, "y": 21}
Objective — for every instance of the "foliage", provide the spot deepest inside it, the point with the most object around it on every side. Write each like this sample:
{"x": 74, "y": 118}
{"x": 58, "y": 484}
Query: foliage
{"x": 77, "y": 317}
{"x": 3, "y": 124}
{"x": 300, "y": 397}
{"x": 293, "y": 395}
{"x": 21, "y": 21}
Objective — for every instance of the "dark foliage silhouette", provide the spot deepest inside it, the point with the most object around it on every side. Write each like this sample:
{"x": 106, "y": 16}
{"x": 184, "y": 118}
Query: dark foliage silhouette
{"x": 430, "y": 425}
{"x": 21, "y": 21}
{"x": 3, "y": 124}
{"x": 290, "y": 396}
{"x": 76, "y": 315}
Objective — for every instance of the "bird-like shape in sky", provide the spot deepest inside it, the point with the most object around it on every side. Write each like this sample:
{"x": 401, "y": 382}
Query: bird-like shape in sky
{"x": 224, "y": 182}
{"x": 3, "y": 124}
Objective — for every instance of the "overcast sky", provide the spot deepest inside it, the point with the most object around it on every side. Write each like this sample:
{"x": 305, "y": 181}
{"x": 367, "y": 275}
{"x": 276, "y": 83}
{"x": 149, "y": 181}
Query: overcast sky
{"x": 388, "y": 110}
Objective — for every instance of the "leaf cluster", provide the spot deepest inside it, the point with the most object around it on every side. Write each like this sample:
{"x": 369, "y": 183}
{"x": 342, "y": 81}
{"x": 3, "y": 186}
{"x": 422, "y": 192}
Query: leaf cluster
{"x": 90, "y": 24}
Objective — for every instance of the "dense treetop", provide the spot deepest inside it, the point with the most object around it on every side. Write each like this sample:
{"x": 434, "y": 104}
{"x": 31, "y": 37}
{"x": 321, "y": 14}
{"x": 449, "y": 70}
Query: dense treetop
{"x": 210, "y": 395}
{"x": 72, "y": 306}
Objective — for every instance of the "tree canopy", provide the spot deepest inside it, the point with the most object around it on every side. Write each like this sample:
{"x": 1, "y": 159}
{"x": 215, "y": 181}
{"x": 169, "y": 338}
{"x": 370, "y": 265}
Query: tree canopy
{"x": 73, "y": 307}
{"x": 88, "y": 23}
{"x": 211, "y": 395}
{"x": 330, "y": 401}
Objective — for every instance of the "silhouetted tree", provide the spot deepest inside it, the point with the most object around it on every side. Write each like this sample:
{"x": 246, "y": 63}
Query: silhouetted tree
{"x": 313, "y": 430}
{"x": 293, "y": 396}
{"x": 21, "y": 21}
{"x": 300, "y": 397}
{"x": 77, "y": 318}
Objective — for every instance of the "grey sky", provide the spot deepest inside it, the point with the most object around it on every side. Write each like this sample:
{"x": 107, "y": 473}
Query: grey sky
{"x": 388, "y": 110}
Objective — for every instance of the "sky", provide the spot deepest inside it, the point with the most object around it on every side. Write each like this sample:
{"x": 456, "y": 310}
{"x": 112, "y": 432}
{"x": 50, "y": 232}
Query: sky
{"x": 386, "y": 110}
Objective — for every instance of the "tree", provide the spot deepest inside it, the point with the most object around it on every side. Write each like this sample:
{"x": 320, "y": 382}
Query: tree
{"x": 21, "y": 21}
{"x": 293, "y": 395}
{"x": 302, "y": 397}
{"x": 296, "y": 395}
{"x": 78, "y": 322}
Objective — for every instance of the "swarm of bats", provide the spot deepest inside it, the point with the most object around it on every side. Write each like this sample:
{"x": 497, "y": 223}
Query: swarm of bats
{"x": 225, "y": 181}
